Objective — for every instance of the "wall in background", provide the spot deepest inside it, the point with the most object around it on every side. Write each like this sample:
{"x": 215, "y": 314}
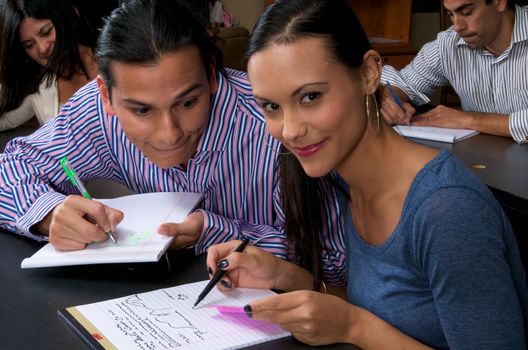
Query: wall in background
{"x": 424, "y": 26}
{"x": 245, "y": 11}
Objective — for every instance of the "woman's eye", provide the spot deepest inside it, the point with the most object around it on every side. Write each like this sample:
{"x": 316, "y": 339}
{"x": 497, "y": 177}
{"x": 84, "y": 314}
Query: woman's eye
{"x": 270, "y": 107}
{"x": 28, "y": 46}
{"x": 47, "y": 31}
{"x": 310, "y": 97}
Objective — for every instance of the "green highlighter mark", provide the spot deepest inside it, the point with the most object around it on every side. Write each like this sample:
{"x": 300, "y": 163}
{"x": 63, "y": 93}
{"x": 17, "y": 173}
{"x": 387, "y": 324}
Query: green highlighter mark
{"x": 130, "y": 239}
{"x": 136, "y": 238}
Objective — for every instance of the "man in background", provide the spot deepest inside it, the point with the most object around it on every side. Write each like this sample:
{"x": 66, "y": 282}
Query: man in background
{"x": 484, "y": 57}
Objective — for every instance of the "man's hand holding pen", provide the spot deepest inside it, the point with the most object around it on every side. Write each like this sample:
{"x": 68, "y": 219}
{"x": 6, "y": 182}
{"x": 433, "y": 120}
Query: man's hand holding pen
{"x": 77, "y": 222}
{"x": 395, "y": 108}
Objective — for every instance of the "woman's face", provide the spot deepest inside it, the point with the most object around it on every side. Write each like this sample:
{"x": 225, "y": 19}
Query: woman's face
{"x": 312, "y": 103}
{"x": 37, "y": 37}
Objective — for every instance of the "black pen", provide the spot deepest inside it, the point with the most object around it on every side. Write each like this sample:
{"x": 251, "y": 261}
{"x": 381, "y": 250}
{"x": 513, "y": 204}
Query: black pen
{"x": 218, "y": 275}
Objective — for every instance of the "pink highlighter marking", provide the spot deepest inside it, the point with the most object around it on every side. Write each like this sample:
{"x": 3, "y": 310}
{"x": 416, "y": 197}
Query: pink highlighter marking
{"x": 224, "y": 309}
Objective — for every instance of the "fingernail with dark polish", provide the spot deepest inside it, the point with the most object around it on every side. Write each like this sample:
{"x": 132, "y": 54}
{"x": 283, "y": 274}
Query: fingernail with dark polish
{"x": 210, "y": 270}
{"x": 222, "y": 264}
{"x": 225, "y": 284}
{"x": 248, "y": 311}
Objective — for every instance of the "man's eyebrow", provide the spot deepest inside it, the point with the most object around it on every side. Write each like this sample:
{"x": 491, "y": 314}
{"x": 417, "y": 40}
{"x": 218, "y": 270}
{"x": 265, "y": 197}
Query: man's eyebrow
{"x": 133, "y": 101}
{"x": 190, "y": 89}
{"x": 184, "y": 93}
{"x": 462, "y": 7}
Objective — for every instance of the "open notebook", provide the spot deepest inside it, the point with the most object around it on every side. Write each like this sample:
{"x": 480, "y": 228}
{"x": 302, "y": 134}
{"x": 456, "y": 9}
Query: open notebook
{"x": 434, "y": 134}
{"x": 137, "y": 240}
{"x": 165, "y": 319}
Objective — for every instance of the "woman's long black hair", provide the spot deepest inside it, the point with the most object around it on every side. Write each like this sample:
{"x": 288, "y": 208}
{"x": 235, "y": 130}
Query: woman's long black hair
{"x": 19, "y": 74}
{"x": 284, "y": 22}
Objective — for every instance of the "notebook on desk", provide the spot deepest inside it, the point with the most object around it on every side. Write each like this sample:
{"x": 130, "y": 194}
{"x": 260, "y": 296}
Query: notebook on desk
{"x": 165, "y": 319}
{"x": 137, "y": 240}
{"x": 434, "y": 134}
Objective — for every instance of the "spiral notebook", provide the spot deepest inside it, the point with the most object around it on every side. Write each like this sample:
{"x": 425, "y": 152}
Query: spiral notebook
{"x": 137, "y": 239}
{"x": 165, "y": 319}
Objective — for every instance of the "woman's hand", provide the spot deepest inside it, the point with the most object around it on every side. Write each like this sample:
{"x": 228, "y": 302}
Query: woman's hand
{"x": 252, "y": 268}
{"x": 313, "y": 318}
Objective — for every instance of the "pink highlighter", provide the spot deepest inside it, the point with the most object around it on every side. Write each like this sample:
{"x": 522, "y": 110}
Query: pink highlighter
{"x": 225, "y": 309}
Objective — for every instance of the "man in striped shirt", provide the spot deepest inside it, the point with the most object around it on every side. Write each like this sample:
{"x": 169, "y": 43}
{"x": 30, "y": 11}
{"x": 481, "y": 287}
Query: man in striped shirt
{"x": 160, "y": 117}
{"x": 484, "y": 56}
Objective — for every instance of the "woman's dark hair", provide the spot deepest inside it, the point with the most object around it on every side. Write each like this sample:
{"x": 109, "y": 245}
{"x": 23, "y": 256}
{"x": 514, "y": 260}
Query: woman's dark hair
{"x": 19, "y": 74}
{"x": 285, "y": 22}
{"x": 141, "y": 31}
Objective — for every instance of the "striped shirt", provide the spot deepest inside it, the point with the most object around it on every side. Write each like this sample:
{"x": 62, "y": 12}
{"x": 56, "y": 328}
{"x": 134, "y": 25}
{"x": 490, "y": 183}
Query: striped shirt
{"x": 235, "y": 167}
{"x": 484, "y": 83}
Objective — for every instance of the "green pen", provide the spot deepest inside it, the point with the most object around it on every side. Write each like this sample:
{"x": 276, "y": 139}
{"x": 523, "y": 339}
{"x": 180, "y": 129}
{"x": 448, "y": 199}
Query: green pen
{"x": 77, "y": 183}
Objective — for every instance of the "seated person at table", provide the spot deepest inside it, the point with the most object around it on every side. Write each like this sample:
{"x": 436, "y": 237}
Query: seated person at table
{"x": 161, "y": 117}
{"x": 47, "y": 53}
{"x": 484, "y": 57}
{"x": 431, "y": 258}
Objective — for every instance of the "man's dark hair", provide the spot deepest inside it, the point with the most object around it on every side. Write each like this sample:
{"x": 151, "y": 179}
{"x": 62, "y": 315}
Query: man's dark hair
{"x": 141, "y": 31}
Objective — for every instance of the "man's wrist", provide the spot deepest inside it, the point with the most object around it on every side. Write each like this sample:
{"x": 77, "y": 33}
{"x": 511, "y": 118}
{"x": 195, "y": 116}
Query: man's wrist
{"x": 43, "y": 226}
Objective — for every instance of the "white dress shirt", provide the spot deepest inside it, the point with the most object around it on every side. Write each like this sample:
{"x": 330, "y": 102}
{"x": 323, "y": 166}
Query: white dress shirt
{"x": 484, "y": 83}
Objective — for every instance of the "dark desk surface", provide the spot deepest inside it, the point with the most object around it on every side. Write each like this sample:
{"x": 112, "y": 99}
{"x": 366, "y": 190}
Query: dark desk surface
{"x": 31, "y": 297}
{"x": 506, "y": 162}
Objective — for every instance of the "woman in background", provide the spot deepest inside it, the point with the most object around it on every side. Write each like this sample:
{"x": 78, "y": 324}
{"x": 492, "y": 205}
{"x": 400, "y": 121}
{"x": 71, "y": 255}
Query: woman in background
{"x": 46, "y": 55}
{"x": 432, "y": 261}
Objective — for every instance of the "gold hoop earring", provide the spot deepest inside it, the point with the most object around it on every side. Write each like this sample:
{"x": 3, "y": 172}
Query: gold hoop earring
{"x": 367, "y": 106}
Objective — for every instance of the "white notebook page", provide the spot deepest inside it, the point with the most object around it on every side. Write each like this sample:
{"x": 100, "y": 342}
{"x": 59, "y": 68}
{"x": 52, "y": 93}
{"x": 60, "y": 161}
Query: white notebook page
{"x": 137, "y": 240}
{"x": 165, "y": 319}
{"x": 435, "y": 134}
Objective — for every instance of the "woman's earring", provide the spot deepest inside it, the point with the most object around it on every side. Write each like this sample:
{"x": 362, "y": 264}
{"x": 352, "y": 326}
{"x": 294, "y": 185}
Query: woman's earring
{"x": 367, "y": 106}
{"x": 378, "y": 60}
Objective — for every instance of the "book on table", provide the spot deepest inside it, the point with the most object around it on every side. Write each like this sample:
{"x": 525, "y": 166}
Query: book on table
{"x": 434, "y": 134}
{"x": 136, "y": 236}
{"x": 165, "y": 319}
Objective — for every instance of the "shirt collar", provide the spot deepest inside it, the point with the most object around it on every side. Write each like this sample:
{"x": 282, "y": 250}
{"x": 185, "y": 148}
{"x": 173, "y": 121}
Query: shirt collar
{"x": 520, "y": 28}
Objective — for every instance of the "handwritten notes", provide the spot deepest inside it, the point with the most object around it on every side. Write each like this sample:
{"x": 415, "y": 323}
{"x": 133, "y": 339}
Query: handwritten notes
{"x": 165, "y": 319}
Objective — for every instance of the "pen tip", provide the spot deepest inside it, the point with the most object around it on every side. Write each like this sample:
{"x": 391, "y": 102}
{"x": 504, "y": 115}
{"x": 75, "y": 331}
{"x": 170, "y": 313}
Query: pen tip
{"x": 111, "y": 235}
